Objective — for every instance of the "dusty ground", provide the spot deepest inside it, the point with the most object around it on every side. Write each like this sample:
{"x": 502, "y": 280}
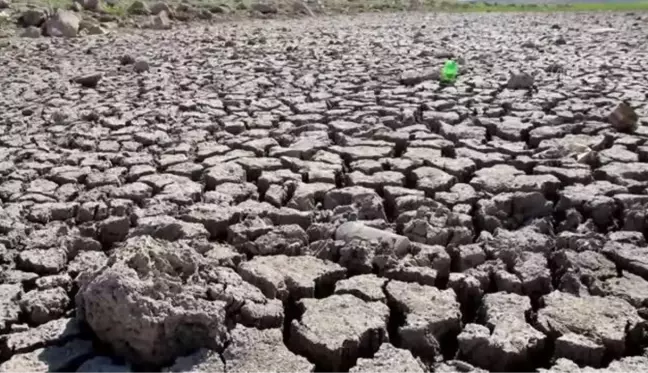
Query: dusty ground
{"x": 283, "y": 195}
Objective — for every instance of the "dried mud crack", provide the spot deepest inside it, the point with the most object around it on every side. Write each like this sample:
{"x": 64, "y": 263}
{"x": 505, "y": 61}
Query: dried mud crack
{"x": 306, "y": 196}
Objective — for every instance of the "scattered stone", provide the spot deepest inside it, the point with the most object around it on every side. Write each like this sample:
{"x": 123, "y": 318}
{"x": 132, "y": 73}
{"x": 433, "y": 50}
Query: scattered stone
{"x": 520, "y": 81}
{"x": 624, "y": 118}
{"x": 140, "y": 66}
{"x": 88, "y": 81}
{"x": 62, "y": 23}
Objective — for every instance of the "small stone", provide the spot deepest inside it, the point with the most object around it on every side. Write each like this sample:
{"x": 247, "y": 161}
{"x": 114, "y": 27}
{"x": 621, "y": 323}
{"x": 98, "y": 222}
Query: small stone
{"x": 624, "y": 118}
{"x": 126, "y": 59}
{"x": 140, "y": 66}
{"x": 520, "y": 81}
{"x": 88, "y": 81}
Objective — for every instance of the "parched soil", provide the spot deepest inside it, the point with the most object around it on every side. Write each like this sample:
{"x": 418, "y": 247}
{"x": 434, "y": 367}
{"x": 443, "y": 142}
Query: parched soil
{"x": 307, "y": 195}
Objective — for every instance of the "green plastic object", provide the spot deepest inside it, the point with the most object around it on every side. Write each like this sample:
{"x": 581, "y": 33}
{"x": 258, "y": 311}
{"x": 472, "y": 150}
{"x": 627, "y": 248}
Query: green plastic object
{"x": 450, "y": 71}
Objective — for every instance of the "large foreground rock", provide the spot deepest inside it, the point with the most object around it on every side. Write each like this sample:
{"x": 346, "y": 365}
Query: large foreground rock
{"x": 333, "y": 332}
{"x": 149, "y": 305}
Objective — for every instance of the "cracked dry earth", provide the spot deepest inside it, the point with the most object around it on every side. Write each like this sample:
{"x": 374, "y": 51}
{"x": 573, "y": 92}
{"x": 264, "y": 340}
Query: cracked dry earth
{"x": 270, "y": 196}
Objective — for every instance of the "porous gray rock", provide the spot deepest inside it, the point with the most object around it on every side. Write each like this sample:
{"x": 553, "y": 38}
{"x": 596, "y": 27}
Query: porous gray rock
{"x": 145, "y": 303}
